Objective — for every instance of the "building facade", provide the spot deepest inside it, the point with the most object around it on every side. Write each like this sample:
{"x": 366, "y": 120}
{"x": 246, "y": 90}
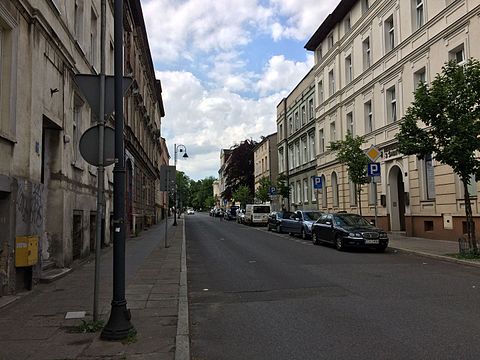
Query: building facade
{"x": 265, "y": 157}
{"x": 297, "y": 143}
{"x": 47, "y": 190}
{"x": 369, "y": 58}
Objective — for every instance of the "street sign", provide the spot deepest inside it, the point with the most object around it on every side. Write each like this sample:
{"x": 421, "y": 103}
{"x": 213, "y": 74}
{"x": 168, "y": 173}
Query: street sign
{"x": 272, "y": 190}
{"x": 167, "y": 178}
{"x": 317, "y": 182}
{"x": 373, "y": 169}
{"x": 373, "y": 153}
{"x": 90, "y": 88}
{"x": 89, "y": 146}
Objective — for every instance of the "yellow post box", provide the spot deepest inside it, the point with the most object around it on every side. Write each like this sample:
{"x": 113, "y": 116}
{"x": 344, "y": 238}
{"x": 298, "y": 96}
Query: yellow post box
{"x": 26, "y": 251}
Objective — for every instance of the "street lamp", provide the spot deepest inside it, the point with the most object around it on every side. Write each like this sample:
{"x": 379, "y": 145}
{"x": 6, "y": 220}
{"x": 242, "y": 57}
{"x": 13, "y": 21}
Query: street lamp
{"x": 177, "y": 148}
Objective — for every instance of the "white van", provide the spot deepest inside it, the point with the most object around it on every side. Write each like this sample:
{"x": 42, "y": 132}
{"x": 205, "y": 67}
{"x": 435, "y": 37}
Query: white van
{"x": 257, "y": 214}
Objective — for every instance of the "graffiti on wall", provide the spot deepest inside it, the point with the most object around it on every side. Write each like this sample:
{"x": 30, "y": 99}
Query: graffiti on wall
{"x": 30, "y": 204}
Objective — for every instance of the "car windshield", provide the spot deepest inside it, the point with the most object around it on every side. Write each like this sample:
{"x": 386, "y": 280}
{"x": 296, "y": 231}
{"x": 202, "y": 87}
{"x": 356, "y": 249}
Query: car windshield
{"x": 351, "y": 220}
{"x": 311, "y": 216}
{"x": 261, "y": 209}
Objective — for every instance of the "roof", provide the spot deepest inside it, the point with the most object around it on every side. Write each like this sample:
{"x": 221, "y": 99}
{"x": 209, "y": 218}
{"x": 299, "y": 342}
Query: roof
{"x": 264, "y": 139}
{"x": 329, "y": 23}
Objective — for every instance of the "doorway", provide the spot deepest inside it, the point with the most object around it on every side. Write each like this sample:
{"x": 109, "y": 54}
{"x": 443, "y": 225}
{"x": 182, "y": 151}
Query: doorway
{"x": 397, "y": 199}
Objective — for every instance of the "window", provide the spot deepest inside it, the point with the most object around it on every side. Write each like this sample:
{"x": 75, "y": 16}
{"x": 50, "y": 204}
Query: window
{"x": 419, "y": 77}
{"x": 299, "y": 194}
{"x": 304, "y": 150}
{"x": 368, "y": 116}
{"x": 304, "y": 115}
{"x": 367, "y": 55}
{"x": 331, "y": 82}
{"x": 365, "y": 6}
{"x": 281, "y": 160}
{"x": 93, "y": 38}
{"x": 429, "y": 177}
{"x": 280, "y": 132}
{"x": 348, "y": 69}
{"x": 335, "y": 189}
{"x": 313, "y": 192}
{"x": 290, "y": 125}
{"x": 305, "y": 191}
{"x": 353, "y": 193}
{"x": 391, "y": 105}
{"x": 324, "y": 192}
{"x": 297, "y": 121}
{"x": 291, "y": 163}
{"x": 458, "y": 54}
{"x": 311, "y": 109}
{"x": 318, "y": 53}
{"x": 348, "y": 24}
{"x": 472, "y": 186}
{"x": 77, "y": 127}
{"x": 292, "y": 191}
{"x": 321, "y": 139}
{"x": 320, "y": 92}
{"x": 418, "y": 11}
{"x": 330, "y": 41}
{"x": 350, "y": 123}
{"x": 333, "y": 132}
{"x": 78, "y": 20}
{"x": 389, "y": 34}
{"x": 297, "y": 153}
{"x": 311, "y": 140}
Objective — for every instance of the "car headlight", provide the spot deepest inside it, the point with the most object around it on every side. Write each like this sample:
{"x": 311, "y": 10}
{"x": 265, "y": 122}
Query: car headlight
{"x": 355, "y": 235}
{"x": 383, "y": 235}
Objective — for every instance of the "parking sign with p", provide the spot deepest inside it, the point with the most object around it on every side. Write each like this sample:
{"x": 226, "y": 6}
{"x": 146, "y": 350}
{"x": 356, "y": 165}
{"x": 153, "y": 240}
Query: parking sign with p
{"x": 317, "y": 182}
{"x": 373, "y": 169}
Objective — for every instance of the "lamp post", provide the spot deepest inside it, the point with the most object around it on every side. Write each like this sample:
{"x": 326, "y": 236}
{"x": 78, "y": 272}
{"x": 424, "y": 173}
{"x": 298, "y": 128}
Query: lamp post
{"x": 177, "y": 148}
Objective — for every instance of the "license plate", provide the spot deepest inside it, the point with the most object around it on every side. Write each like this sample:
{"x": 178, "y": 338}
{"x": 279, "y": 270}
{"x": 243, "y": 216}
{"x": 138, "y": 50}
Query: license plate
{"x": 375, "y": 241}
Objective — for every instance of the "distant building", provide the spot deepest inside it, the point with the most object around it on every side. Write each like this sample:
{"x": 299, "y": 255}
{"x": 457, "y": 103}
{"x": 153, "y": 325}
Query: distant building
{"x": 222, "y": 177}
{"x": 265, "y": 159}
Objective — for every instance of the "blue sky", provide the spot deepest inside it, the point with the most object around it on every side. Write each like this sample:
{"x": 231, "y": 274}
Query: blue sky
{"x": 224, "y": 67}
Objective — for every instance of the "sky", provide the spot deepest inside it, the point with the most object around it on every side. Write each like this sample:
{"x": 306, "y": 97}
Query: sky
{"x": 224, "y": 67}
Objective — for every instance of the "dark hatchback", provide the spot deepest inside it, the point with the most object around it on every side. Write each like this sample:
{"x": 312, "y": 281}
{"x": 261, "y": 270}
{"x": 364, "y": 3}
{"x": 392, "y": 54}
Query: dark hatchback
{"x": 275, "y": 220}
{"x": 348, "y": 230}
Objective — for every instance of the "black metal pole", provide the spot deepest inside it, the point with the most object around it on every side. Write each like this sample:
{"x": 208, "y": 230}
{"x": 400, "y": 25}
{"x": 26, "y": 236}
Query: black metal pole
{"x": 175, "y": 190}
{"x": 118, "y": 326}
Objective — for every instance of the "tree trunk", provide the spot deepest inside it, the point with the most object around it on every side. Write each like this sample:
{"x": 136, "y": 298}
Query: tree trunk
{"x": 359, "y": 198}
{"x": 472, "y": 242}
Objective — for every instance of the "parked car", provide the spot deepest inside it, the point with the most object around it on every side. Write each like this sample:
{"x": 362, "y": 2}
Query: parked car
{"x": 300, "y": 223}
{"x": 256, "y": 214}
{"x": 231, "y": 213}
{"x": 349, "y": 230}
{"x": 240, "y": 216}
{"x": 190, "y": 212}
{"x": 218, "y": 212}
{"x": 276, "y": 219}
{"x": 212, "y": 211}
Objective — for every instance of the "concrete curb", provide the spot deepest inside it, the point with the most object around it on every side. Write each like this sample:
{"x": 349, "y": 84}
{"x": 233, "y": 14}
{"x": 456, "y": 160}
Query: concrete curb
{"x": 437, "y": 257}
{"x": 182, "y": 340}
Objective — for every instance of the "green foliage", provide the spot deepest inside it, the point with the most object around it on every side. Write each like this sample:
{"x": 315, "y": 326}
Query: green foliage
{"x": 239, "y": 169}
{"x": 262, "y": 191}
{"x": 183, "y": 189}
{"x": 201, "y": 193}
{"x": 243, "y": 195}
{"x": 350, "y": 153}
{"x": 131, "y": 337}
{"x": 88, "y": 326}
{"x": 282, "y": 186}
{"x": 448, "y": 111}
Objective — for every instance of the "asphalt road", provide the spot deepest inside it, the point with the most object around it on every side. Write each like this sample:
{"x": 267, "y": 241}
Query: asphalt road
{"x": 255, "y": 294}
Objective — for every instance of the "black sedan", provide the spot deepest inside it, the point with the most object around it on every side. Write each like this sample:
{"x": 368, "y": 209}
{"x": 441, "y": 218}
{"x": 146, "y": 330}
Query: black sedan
{"x": 276, "y": 219}
{"x": 348, "y": 230}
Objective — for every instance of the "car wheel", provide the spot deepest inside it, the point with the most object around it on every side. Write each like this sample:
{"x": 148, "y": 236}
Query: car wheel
{"x": 339, "y": 243}
{"x": 314, "y": 238}
{"x": 279, "y": 229}
{"x": 303, "y": 234}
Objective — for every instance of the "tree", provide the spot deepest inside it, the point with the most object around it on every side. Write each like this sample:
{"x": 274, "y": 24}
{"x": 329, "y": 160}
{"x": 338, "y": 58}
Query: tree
{"x": 183, "y": 190}
{"x": 243, "y": 195}
{"x": 239, "y": 169}
{"x": 449, "y": 109}
{"x": 283, "y": 188}
{"x": 200, "y": 191}
{"x": 350, "y": 153}
{"x": 262, "y": 192}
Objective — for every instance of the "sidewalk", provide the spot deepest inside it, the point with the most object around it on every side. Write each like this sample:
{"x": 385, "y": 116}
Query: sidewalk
{"x": 437, "y": 249}
{"x": 34, "y": 326}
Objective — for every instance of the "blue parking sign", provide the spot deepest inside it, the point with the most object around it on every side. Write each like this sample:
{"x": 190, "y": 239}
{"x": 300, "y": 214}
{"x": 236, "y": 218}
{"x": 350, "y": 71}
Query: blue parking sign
{"x": 272, "y": 190}
{"x": 317, "y": 182}
{"x": 373, "y": 169}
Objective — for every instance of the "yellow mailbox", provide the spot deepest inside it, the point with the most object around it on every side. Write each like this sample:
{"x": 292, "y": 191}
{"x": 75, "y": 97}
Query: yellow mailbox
{"x": 26, "y": 251}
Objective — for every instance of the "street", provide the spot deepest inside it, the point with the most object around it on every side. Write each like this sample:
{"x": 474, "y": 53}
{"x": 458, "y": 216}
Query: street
{"x": 255, "y": 294}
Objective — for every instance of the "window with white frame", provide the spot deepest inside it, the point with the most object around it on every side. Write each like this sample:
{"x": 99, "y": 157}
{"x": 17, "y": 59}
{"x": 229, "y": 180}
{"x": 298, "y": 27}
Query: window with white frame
{"x": 299, "y": 192}
{"x": 330, "y": 41}
{"x": 78, "y": 20}
{"x": 321, "y": 141}
{"x": 281, "y": 160}
{"x": 335, "y": 189}
{"x": 304, "y": 115}
{"x": 320, "y": 96}
{"x": 311, "y": 141}
{"x": 368, "y": 116}
{"x": 331, "y": 83}
{"x": 296, "y": 121}
{"x": 304, "y": 150}
{"x": 313, "y": 192}
{"x": 324, "y": 192}
{"x": 291, "y": 163}
{"x": 347, "y": 23}
{"x": 350, "y": 123}
{"x": 280, "y": 132}
{"x": 290, "y": 125}
{"x": 333, "y": 131}
{"x": 93, "y": 38}
{"x": 389, "y": 27}
{"x": 472, "y": 186}
{"x": 419, "y": 77}
{"x": 311, "y": 109}
{"x": 367, "y": 53}
{"x": 297, "y": 153}
{"x": 458, "y": 54}
{"x": 305, "y": 191}
{"x": 348, "y": 69}
{"x": 319, "y": 54}
{"x": 77, "y": 127}
{"x": 391, "y": 105}
{"x": 353, "y": 193}
{"x": 428, "y": 177}
{"x": 419, "y": 20}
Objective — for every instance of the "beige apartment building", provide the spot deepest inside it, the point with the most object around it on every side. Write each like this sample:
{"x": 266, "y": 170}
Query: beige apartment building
{"x": 47, "y": 190}
{"x": 266, "y": 160}
{"x": 369, "y": 58}
{"x": 297, "y": 144}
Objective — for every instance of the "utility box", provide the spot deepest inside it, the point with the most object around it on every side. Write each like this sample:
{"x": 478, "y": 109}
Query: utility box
{"x": 26, "y": 251}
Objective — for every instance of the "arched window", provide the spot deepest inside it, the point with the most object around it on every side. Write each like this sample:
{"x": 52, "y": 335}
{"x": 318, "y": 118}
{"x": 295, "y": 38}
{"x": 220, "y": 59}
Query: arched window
{"x": 335, "y": 189}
